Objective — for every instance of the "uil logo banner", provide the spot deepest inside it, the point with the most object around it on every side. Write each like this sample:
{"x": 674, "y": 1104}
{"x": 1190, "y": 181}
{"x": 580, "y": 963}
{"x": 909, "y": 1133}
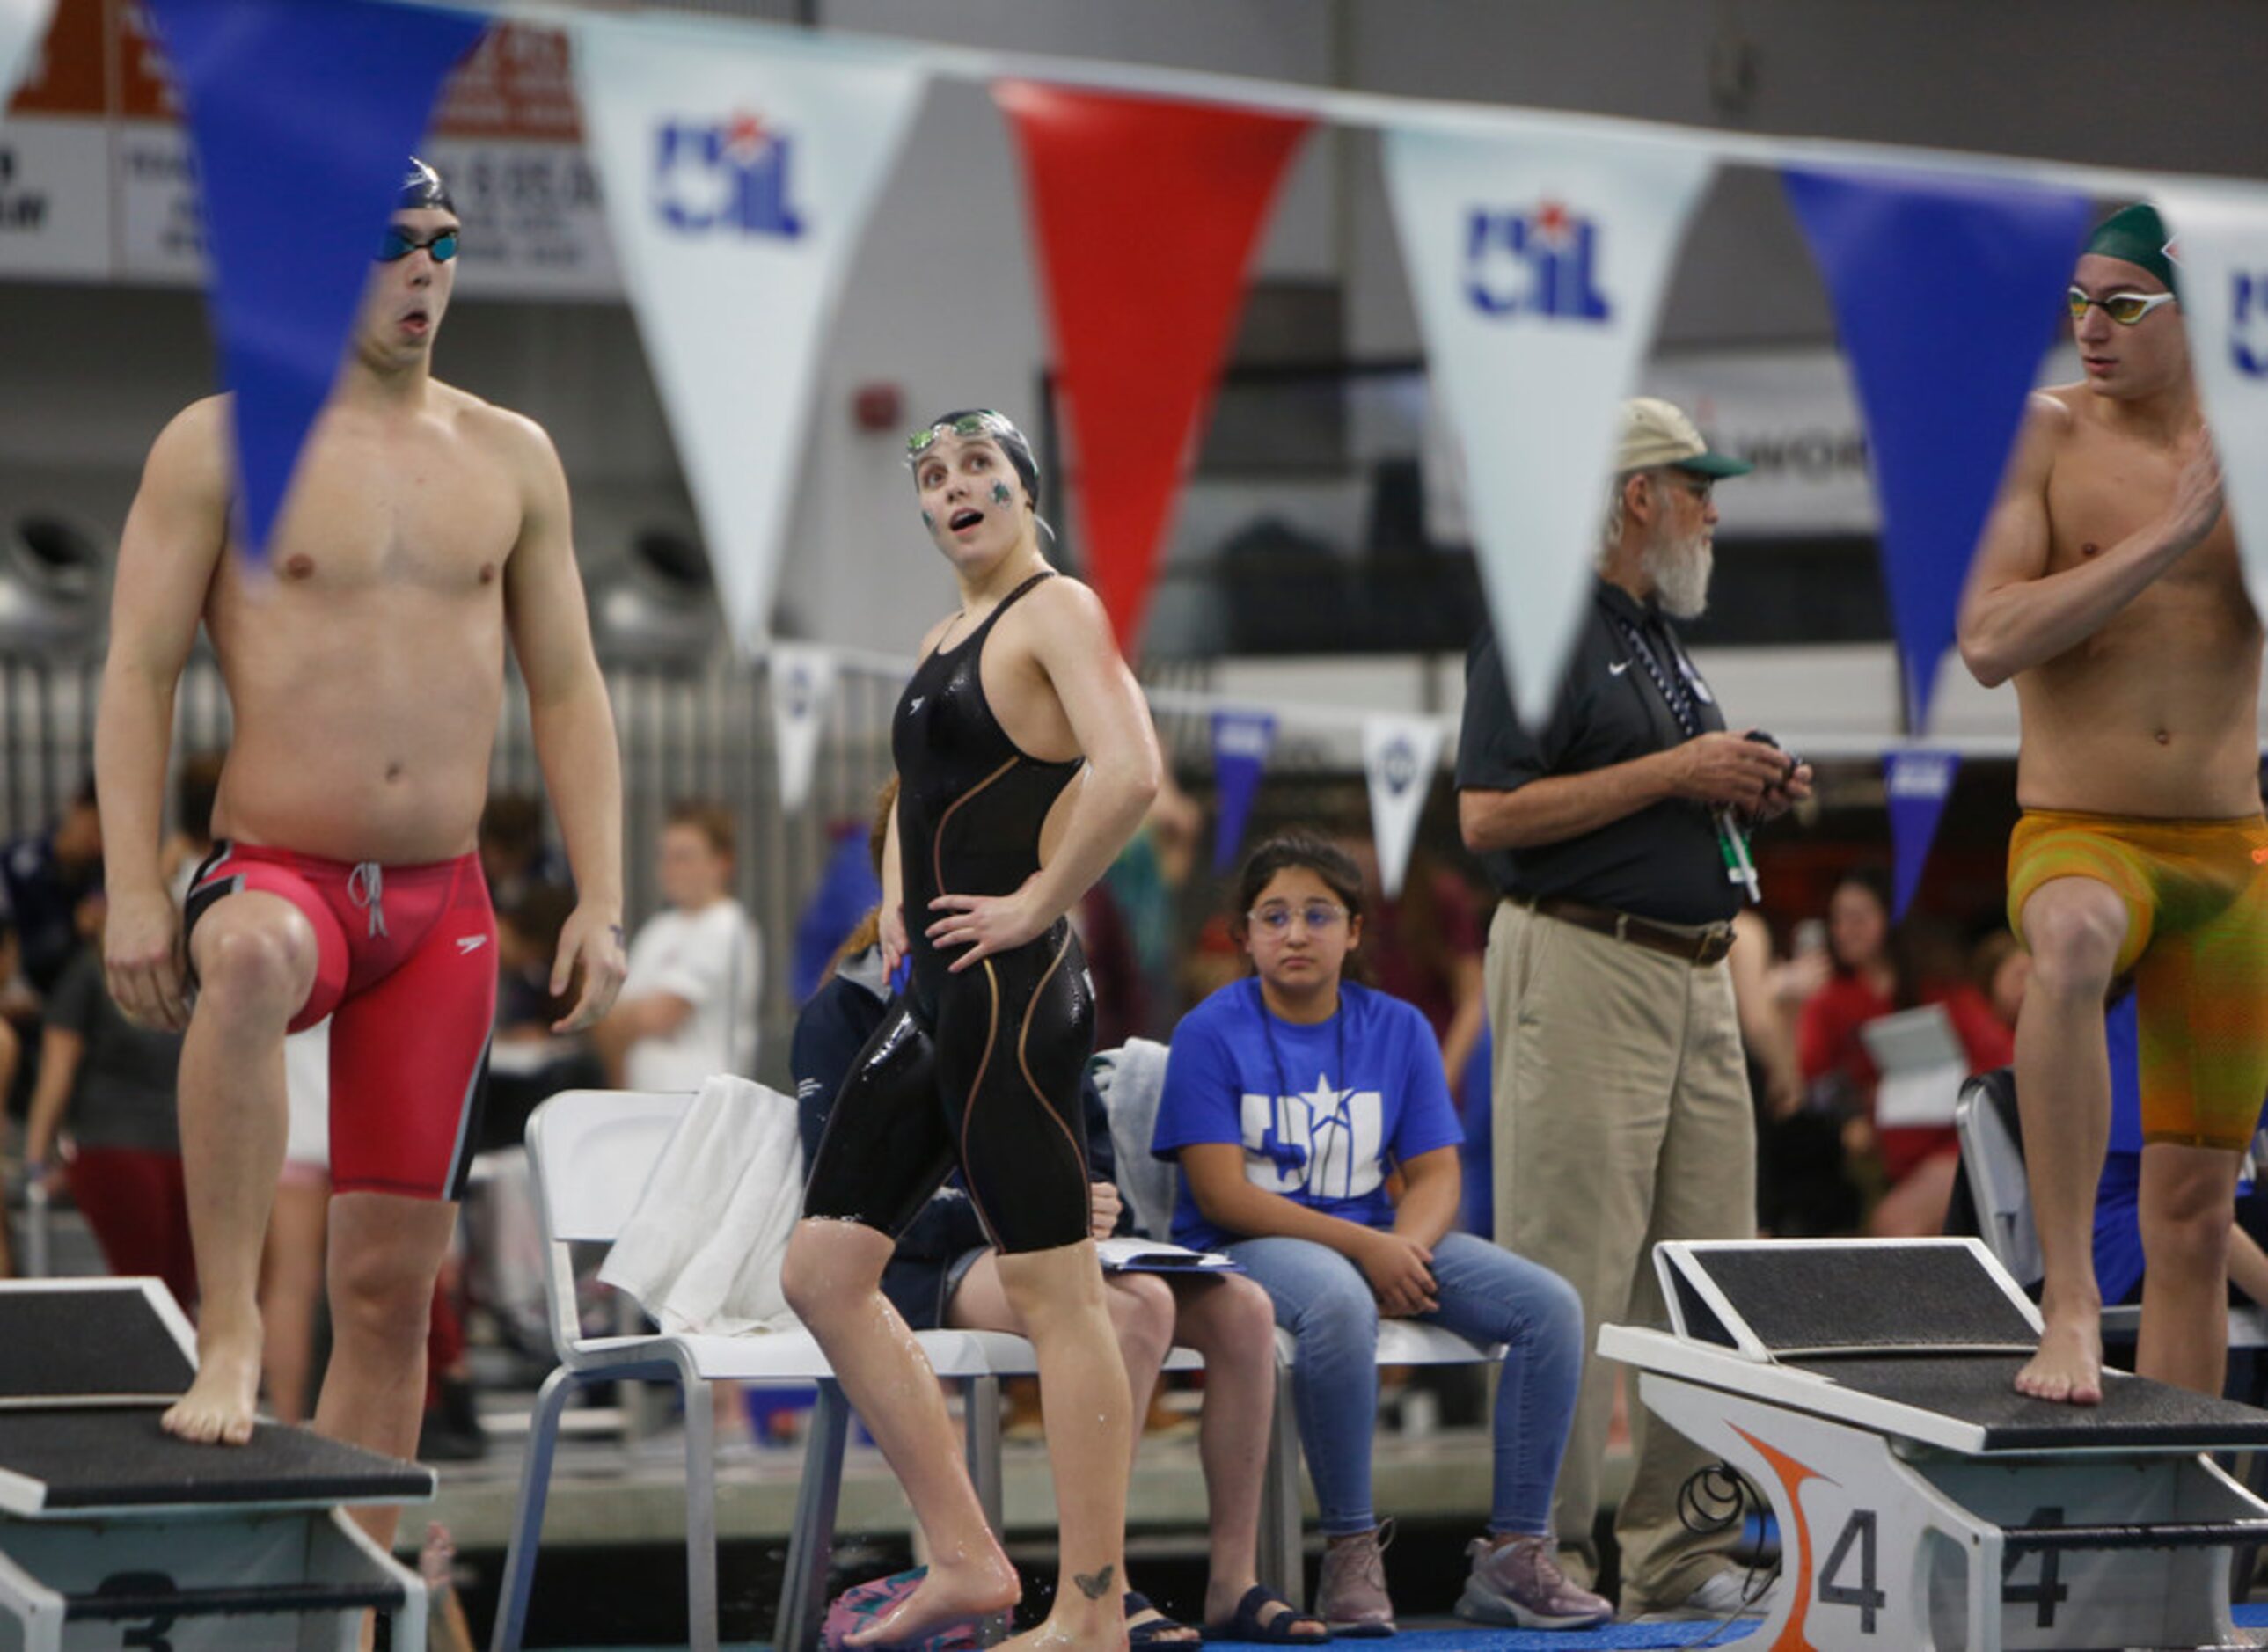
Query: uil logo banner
{"x": 1917, "y": 784}
{"x": 731, "y": 175}
{"x": 1537, "y": 262}
{"x": 802, "y": 683}
{"x": 738, "y": 169}
{"x": 1399, "y": 755}
{"x": 2220, "y": 232}
{"x": 1541, "y": 263}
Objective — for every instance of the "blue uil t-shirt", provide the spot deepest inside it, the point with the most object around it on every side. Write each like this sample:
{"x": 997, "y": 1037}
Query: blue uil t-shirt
{"x": 1322, "y": 1112}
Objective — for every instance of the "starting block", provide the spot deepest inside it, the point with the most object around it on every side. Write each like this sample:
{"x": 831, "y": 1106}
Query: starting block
{"x": 1865, "y": 1386}
{"x": 113, "y": 1533}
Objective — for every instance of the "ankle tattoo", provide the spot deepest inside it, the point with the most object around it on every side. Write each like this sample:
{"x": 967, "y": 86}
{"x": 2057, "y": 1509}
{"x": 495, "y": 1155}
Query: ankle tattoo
{"x": 1093, "y": 1585}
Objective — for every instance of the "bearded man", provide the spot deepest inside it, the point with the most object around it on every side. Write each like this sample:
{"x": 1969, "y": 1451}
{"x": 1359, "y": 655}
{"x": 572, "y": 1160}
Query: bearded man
{"x": 1614, "y": 833}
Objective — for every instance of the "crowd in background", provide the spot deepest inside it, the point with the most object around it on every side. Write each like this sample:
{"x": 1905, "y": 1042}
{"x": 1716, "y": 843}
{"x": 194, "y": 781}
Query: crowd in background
{"x": 91, "y": 1096}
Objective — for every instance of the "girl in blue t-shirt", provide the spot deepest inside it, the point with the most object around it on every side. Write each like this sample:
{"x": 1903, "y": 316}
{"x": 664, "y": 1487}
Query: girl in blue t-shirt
{"x": 1318, "y": 1146}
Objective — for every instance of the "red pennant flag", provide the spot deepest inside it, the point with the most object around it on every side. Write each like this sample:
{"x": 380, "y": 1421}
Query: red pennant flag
{"x": 1146, "y": 212}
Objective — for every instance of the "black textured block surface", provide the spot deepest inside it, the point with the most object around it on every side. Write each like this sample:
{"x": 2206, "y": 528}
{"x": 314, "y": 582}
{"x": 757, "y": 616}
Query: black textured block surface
{"x": 1859, "y": 1297}
{"x": 73, "y": 1344}
{"x": 1979, "y": 1388}
{"x": 118, "y": 1457}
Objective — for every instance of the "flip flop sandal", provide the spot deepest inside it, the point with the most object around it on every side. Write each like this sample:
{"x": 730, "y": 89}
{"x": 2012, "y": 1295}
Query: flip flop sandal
{"x": 1246, "y": 1623}
{"x": 1161, "y": 1631}
{"x": 854, "y": 1609}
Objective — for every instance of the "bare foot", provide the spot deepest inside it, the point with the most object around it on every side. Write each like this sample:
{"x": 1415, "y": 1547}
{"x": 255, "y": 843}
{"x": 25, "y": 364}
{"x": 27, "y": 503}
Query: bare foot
{"x": 2068, "y": 1367}
{"x": 1052, "y": 1636}
{"x": 973, "y": 1589}
{"x": 218, "y": 1407}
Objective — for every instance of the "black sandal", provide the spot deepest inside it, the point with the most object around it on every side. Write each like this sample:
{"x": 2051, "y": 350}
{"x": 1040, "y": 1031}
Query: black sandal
{"x": 1281, "y": 1629}
{"x": 1161, "y": 1631}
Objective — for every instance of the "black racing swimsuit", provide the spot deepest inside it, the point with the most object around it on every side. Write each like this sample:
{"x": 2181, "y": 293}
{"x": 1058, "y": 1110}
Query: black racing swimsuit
{"x": 980, "y": 1069}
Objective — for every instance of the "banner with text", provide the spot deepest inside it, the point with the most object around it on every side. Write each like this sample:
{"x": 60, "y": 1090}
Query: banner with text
{"x": 2220, "y": 253}
{"x": 1146, "y": 212}
{"x": 1241, "y": 742}
{"x": 303, "y": 119}
{"x": 1538, "y": 264}
{"x": 738, "y": 172}
{"x": 1943, "y": 401}
{"x": 1918, "y": 782}
{"x": 1399, "y": 756}
{"x": 802, "y": 683}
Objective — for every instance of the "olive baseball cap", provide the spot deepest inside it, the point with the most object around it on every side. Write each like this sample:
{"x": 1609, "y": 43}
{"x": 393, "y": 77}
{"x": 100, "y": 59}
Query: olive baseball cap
{"x": 1656, "y": 433}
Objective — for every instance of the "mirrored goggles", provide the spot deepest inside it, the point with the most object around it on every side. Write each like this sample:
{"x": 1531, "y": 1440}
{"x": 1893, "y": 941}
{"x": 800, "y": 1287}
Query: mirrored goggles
{"x": 393, "y": 245}
{"x": 968, "y": 425}
{"x": 2125, "y": 308}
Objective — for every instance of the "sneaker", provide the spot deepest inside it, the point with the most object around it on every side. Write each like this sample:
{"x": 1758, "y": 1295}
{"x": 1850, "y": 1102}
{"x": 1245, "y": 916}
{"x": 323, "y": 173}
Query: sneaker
{"x": 1351, "y": 1596}
{"x": 1520, "y": 1584}
{"x": 1735, "y": 1591}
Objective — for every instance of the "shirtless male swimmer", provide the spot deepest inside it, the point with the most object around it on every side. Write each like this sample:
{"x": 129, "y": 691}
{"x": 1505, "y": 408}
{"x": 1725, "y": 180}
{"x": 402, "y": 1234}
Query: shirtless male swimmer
{"x": 2107, "y": 586}
{"x": 365, "y": 665}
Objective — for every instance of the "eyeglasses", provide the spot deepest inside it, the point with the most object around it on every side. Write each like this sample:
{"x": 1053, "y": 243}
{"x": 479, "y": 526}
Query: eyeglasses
{"x": 985, "y": 422}
{"x": 2125, "y": 308}
{"x": 393, "y": 245}
{"x": 1318, "y": 917}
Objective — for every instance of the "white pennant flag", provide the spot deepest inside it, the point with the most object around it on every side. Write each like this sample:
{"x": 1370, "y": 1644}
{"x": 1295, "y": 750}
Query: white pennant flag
{"x": 738, "y": 170}
{"x": 1399, "y": 754}
{"x": 802, "y": 682}
{"x": 1537, "y": 262}
{"x": 22, "y": 25}
{"x": 2220, "y": 258}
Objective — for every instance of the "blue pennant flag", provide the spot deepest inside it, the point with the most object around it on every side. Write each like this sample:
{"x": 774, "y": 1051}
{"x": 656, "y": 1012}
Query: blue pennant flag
{"x": 1918, "y": 783}
{"x": 1241, "y": 742}
{"x": 303, "y": 117}
{"x": 1944, "y": 289}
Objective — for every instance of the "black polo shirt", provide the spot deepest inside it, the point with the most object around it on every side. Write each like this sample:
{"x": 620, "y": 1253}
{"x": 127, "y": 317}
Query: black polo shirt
{"x": 1664, "y": 861}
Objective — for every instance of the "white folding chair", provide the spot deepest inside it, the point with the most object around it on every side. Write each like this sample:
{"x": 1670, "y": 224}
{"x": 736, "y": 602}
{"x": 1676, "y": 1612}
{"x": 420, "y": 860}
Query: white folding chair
{"x": 589, "y": 1153}
{"x": 1993, "y": 1164}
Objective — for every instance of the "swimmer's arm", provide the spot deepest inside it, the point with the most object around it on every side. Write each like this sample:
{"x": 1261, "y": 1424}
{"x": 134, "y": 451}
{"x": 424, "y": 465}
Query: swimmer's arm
{"x": 891, "y": 921}
{"x": 1111, "y": 721}
{"x": 572, "y": 719}
{"x": 175, "y": 534}
{"x": 2015, "y": 615}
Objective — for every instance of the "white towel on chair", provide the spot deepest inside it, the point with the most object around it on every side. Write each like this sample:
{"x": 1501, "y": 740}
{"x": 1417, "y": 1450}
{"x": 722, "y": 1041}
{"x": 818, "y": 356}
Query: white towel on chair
{"x": 702, "y": 1252}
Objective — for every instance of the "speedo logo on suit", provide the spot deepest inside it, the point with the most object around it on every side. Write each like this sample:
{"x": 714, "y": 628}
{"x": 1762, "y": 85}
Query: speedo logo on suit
{"x": 1542, "y": 262}
{"x": 468, "y": 944}
{"x": 726, "y": 176}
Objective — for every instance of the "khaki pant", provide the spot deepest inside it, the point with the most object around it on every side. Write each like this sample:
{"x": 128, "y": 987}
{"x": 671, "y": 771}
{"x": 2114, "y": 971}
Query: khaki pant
{"x": 1622, "y": 1117}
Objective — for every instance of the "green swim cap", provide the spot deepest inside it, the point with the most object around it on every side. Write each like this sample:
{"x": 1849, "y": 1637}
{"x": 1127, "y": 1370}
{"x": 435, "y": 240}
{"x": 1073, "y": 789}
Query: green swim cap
{"x": 2137, "y": 235}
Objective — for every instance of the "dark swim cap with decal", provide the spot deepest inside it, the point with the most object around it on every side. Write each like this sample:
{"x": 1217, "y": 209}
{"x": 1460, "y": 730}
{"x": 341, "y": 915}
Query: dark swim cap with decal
{"x": 2137, "y": 235}
{"x": 422, "y": 187}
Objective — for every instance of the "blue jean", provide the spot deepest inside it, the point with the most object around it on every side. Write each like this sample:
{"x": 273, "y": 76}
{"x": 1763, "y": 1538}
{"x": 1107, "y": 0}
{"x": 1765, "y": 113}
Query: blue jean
{"x": 1485, "y": 1294}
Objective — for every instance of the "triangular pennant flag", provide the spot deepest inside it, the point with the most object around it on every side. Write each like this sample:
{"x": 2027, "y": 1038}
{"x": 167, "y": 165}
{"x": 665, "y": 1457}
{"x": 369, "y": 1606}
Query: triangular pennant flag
{"x": 302, "y": 118}
{"x": 1146, "y": 212}
{"x": 1538, "y": 263}
{"x": 2220, "y": 253}
{"x": 1918, "y": 783}
{"x": 738, "y": 179}
{"x": 1241, "y": 744}
{"x": 1943, "y": 393}
{"x": 22, "y": 25}
{"x": 802, "y": 682}
{"x": 1399, "y": 755}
